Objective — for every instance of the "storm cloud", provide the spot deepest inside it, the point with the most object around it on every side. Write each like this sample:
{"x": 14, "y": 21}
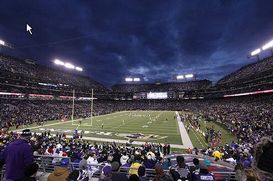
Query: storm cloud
{"x": 155, "y": 39}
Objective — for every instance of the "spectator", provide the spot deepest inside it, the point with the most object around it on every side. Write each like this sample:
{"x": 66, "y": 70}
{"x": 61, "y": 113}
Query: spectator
{"x": 124, "y": 158}
{"x": 196, "y": 167}
{"x": 181, "y": 170}
{"x": 160, "y": 175}
{"x": 83, "y": 163}
{"x": 134, "y": 167}
{"x": 30, "y": 172}
{"x": 106, "y": 174}
{"x": 133, "y": 177}
{"x": 60, "y": 173}
{"x": 204, "y": 174}
{"x": 17, "y": 156}
{"x": 142, "y": 174}
{"x": 263, "y": 159}
{"x": 165, "y": 162}
{"x": 117, "y": 175}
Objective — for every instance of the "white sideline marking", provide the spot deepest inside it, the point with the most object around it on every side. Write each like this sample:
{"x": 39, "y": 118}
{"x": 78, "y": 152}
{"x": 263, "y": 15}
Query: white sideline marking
{"x": 186, "y": 141}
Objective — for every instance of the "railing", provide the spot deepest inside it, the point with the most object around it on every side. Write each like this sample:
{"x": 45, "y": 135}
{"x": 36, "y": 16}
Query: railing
{"x": 48, "y": 163}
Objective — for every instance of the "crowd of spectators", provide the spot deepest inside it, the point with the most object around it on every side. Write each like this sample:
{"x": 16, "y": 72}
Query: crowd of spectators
{"x": 163, "y": 87}
{"x": 90, "y": 157}
{"x": 107, "y": 160}
{"x": 248, "y": 71}
{"x": 16, "y": 71}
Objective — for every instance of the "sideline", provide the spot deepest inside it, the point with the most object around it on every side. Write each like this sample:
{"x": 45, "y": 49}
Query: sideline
{"x": 186, "y": 141}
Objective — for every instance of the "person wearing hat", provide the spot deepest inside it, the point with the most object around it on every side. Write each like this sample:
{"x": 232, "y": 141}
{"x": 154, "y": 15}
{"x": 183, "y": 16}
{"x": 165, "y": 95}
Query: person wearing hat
{"x": 18, "y": 156}
{"x": 60, "y": 173}
{"x": 106, "y": 174}
{"x": 203, "y": 174}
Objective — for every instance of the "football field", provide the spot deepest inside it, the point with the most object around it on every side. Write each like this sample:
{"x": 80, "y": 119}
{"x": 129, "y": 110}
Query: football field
{"x": 150, "y": 126}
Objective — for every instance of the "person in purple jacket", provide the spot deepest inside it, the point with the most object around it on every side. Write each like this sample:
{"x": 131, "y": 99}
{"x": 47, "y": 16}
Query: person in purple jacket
{"x": 17, "y": 156}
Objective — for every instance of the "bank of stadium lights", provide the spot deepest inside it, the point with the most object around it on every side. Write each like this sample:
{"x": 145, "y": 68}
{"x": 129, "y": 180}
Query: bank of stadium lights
{"x": 132, "y": 79}
{"x": 189, "y": 76}
{"x": 2, "y": 43}
{"x": 67, "y": 65}
{"x": 267, "y": 46}
{"x": 5, "y": 44}
{"x": 186, "y": 76}
{"x": 255, "y": 52}
{"x": 136, "y": 79}
{"x": 180, "y": 77}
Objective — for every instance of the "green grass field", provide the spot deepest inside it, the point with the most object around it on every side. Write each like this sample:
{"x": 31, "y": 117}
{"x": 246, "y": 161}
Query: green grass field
{"x": 155, "y": 126}
{"x": 151, "y": 126}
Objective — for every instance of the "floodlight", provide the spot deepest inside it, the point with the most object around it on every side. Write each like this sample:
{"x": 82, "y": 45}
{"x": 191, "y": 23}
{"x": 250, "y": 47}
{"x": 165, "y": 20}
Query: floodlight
{"x": 2, "y": 43}
{"x": 128, "y": 79}
{"x": 58, "y": 62}
{"x": 136, "y": 79}
{"x": 189, "y": 76}
{"x": 79, "y": 69}
{"x": 256, "y": 52}
{"x": 69, "y": 66}
{"x": 268, "y": 45}
{"x": 180, "y": 77}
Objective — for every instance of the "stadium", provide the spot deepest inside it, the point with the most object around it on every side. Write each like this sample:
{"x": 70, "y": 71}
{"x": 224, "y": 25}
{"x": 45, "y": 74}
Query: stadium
{"x": 58, "y": 122}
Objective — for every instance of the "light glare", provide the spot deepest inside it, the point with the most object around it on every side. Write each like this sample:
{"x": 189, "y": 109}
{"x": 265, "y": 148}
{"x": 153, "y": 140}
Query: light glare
{"x": 189, "y": 76}
{"x": 128, "y": 79}
{"x": 58, "y": 62}
{"x": 255, "y": 52}
{"x": 180, "y": 77}
{"x": 79, "y": 69}
{"x": 69, "y": 66}
{"x": 268, "y": 45}
{"x": 2, "y": 42}
{"x": 136, "y": 79}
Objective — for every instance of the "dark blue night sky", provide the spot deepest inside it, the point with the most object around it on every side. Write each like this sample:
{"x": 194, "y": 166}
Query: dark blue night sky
{"x": 157, "y": 39}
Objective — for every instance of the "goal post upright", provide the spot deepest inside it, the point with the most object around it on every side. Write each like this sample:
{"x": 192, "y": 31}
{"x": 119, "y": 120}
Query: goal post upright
{"x": 91, "y": 109}
{"x": 73, "y": 105}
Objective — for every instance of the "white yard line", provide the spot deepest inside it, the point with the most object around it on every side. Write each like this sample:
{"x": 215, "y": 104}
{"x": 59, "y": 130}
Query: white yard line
{"x": 183, "y": 133}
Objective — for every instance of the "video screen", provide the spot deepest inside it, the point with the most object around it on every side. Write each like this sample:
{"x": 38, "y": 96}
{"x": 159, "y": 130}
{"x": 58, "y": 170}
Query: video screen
{"x": 157, "y": 95}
